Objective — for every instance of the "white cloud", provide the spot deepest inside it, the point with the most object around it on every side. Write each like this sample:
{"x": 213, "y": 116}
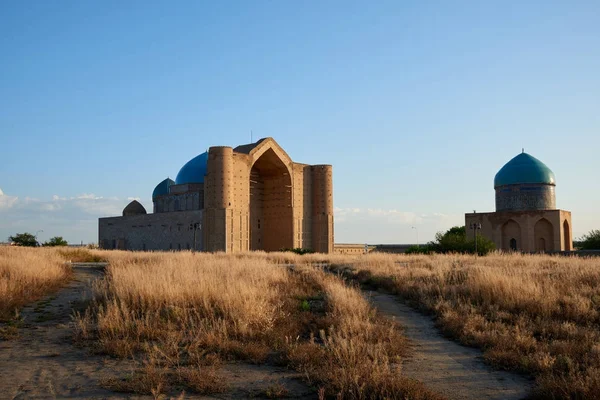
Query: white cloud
{"x": 385, "y": 216}
{"x": 377, "y": 225}
{"x": 74, "y": 218}
{"x": 6, "y": 201}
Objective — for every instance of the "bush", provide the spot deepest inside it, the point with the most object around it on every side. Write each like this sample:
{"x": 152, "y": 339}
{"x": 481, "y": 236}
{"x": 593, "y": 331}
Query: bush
{"x": 24, "y": 239}
{"x": 454, "y": 240}
{"x": 56, "y": 241}
{"x": 423, "y": 249}
{"x": 299, "y": 250}
{"x": 590, "y": 241}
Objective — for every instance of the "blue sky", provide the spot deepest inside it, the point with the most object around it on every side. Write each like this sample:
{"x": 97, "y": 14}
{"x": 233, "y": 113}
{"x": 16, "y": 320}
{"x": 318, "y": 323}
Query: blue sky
{"x": 416, "y": 104}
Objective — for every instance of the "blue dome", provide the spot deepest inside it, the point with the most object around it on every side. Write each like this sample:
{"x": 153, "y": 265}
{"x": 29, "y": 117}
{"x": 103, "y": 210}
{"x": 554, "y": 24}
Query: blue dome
{"x": 162, "y": 188}
{"x": 193, "y": 171}
{"x": 524, "y": 169}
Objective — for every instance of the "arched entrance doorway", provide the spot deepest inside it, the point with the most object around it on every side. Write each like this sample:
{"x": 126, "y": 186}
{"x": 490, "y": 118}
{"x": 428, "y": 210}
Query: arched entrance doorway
{"x": 541, "y": 246}
{"x": 567, "y": 236}
{"x": 544, "y": 235}
{"x": 511, "y": 236}
{"x": 271, "y": 217}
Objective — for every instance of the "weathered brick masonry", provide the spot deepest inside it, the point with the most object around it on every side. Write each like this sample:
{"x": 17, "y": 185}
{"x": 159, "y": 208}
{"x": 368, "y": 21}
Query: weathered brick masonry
{"x": 252, "y": 197}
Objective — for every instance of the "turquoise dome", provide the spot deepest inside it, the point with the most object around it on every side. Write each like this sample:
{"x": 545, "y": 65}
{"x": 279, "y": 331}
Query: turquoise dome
{"x": 162, "y": 188}
{"x": 193, "y": 171}
{"x": 524, "y": 168}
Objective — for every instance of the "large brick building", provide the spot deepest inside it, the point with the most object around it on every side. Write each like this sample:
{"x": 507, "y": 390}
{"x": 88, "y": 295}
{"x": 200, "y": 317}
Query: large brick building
{"x": 526, "y": 218}
{"x": 252, "y": 197}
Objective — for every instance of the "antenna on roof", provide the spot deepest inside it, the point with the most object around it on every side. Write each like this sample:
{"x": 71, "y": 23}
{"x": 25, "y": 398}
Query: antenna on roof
{"x": 522, "y": 149}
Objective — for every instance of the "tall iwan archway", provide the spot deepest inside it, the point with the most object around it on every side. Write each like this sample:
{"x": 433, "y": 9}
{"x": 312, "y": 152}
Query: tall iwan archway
{"x": 271, "y": 213}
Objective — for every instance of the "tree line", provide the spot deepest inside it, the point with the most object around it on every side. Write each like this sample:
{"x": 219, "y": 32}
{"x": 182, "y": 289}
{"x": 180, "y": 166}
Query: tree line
{"x": 29, "y": 240}
{"x": 456, "y": 240}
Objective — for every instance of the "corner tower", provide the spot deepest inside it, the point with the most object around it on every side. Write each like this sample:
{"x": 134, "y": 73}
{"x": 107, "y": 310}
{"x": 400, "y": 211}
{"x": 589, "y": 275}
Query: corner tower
{"x": 218, "y": 199}
{"x": 322, "y": 208}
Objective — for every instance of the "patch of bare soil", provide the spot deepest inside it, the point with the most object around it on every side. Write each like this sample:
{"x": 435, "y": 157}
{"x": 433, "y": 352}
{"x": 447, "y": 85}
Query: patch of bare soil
{"x": 39, "y": 360}
{"x": 456, "y": 371}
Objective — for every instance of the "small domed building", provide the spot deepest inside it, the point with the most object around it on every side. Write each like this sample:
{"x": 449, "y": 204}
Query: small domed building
{"x": 526, "y": 218}
{"x": 252, "y": 197}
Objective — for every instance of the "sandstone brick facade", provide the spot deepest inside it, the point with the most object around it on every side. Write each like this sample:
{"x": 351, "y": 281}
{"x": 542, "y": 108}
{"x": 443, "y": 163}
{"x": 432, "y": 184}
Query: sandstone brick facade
{"x": 527, "y": 231}
{"x": 253, "y": 197}
{"x": 526, "y": 218}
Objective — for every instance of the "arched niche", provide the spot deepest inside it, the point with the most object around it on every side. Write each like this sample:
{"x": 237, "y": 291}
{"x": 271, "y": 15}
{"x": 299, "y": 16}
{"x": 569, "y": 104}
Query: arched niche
{"x": 511, "y": 236}
{"x": 543, "y": 232}
{"x": 567, "y": 236}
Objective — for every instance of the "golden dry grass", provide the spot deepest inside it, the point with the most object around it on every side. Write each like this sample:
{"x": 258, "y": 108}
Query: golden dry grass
{"x": 27, "y": 274}
{"x": 192, "y": 312}
{"x": 537, "y": 314}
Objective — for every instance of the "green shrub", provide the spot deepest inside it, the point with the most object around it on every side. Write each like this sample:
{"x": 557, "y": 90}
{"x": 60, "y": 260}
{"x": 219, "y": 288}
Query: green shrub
{"x": 589, "y": 241}
{"x": 56, "y": 241}
{"x": 24, "y": 239}
{"x": 454, "y": 240}
{"x": 298, "y": 250}
{"x": 423, "y": 249}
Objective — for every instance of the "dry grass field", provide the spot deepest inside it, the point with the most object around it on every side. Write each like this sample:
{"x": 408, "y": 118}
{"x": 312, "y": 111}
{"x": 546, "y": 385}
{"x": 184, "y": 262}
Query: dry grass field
{"x": 535, "y": 314}
{"x": 28, "y": 274}
{"x": 184, "y": 316}
{"x": 187, "y": 314}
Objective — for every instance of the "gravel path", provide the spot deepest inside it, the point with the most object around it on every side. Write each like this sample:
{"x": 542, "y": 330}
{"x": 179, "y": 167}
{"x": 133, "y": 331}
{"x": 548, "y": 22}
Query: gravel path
{"x": 444, "y": 366}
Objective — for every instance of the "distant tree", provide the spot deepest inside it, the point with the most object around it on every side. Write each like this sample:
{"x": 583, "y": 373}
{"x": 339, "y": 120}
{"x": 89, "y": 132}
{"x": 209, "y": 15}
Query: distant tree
{"x": 421, "y": 249}
{"x": 455, "y": 240}
{"x": 24, "y": 239}
{"x": 590, "y": 241}
{"x": 56, "y": 241}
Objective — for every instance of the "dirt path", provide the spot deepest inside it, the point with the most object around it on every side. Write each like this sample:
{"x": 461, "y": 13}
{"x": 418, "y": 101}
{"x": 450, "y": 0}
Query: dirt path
{"x": 449, "y": 368}
{"x": 43, "y": 363}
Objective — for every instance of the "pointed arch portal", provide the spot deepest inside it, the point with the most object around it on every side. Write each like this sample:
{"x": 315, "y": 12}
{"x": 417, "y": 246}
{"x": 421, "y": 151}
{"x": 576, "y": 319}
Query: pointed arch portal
{"x": 544, "y": 236}
{"x": 567, "y": 236}
{"x": 511, "y": 236}
{"x": 271, "y": 213}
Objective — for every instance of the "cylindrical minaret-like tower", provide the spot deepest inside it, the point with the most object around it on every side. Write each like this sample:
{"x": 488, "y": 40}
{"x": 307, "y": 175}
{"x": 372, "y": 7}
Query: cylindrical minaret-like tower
{"x": 220, "y": 177}
{"x": 218, "y": 198}
{"x": 322, "y": 208}
{"x": 525, "y": 183}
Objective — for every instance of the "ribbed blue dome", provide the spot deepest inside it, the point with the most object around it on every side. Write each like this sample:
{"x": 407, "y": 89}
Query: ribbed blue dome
{"x": 162, "y": 188}
{"x": 193, "y": 171}
{"x": 524, "y": 169}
